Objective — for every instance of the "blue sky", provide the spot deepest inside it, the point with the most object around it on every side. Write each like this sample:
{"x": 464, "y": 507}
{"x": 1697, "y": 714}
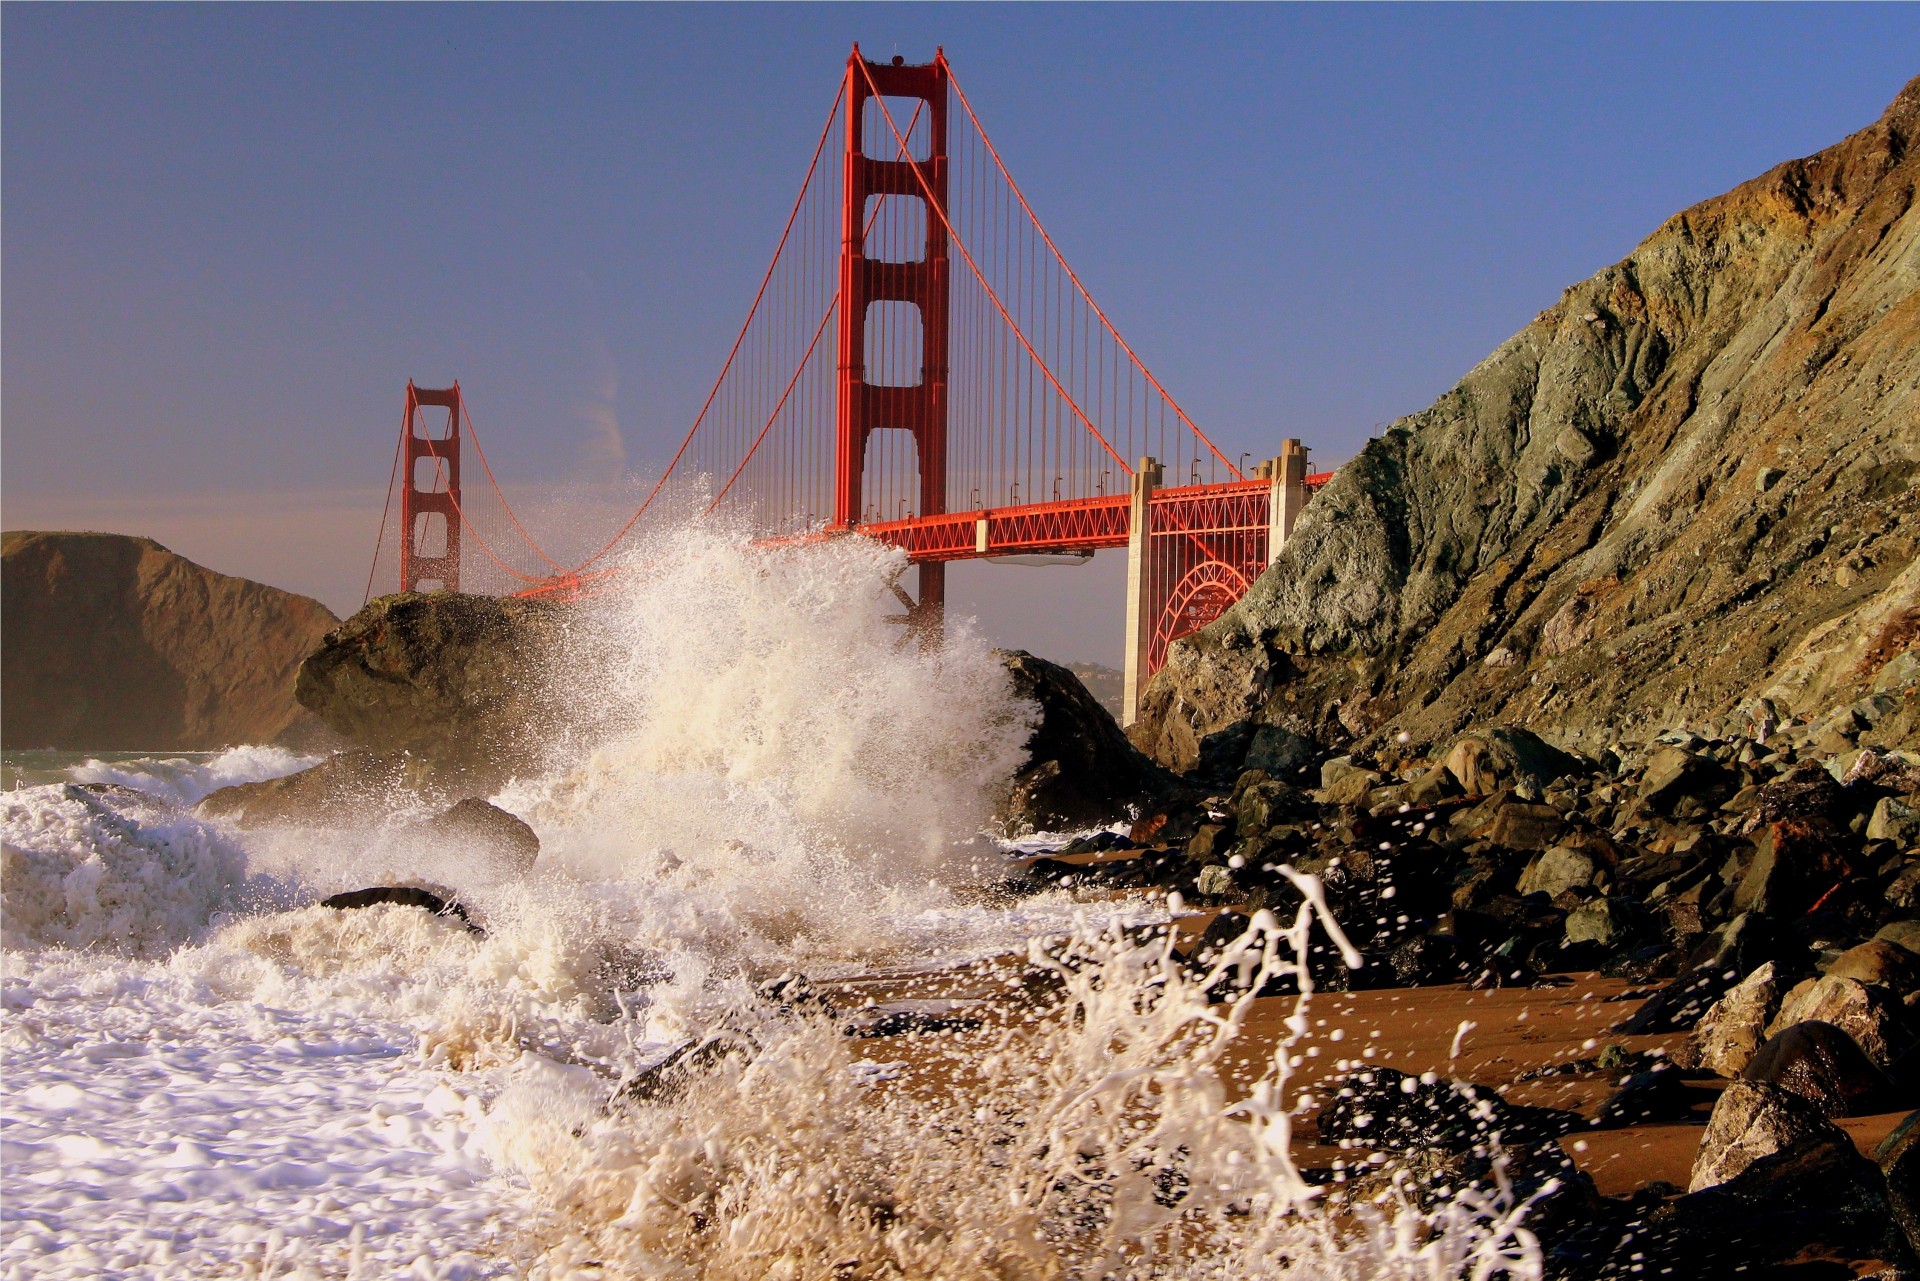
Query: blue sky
{"x": 232, "y": 233}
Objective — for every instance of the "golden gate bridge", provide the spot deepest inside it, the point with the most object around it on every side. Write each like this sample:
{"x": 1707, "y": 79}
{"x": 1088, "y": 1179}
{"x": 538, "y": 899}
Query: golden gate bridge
{"x": 921, "y": 366}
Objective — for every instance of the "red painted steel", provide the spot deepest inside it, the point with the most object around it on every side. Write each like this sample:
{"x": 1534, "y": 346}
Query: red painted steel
{"x": 439, "y": 498}
{"x": 864, "y": 406}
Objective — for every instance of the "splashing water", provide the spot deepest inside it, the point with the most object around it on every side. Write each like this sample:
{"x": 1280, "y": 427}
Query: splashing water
{"x": 766, "y": 774}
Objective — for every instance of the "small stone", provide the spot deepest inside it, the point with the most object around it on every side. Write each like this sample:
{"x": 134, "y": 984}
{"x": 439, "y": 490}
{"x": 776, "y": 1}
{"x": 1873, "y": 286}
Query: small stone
{"x": 1899, "y": 1158}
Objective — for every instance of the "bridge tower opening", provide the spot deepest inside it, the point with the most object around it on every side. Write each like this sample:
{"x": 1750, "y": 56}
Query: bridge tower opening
{"x": 871, "y": 280}
{"x": 430, "y": 495}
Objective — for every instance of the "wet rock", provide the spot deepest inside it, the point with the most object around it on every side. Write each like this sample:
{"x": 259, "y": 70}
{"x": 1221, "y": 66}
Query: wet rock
{"x": 1732, "y": 1031}
{"x": 1821, "y": 1064}
{"x": 403, "y": 896}
{"x": 488, "y": 831}
{"x": 1752, "y": 1120}
{"x": 1559, "y": 869}
{"x": 1209, "y": 843}
{"x": 1425, "y": 960}
{"x": 1486, "y": 761}
{"x": 1899, "y": 1158}
{"x": 1870, "y": 1016}
{"x": 1774, "y": 1180}
{"x": 345, "y": 787}
{"x": 1080, "y": 770}
{"x": 1739, "y": 947}
{"x": 1216, "y": 881}
{"x": 458, "y": 686}
{"x": 1381, "y": 1107}
{"x": 1877, "y": 963}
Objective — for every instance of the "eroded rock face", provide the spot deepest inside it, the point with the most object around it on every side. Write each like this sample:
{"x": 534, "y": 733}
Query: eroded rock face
{"x": 1708, "y": 441}
{"x": 1080, "y": 770}
{"x": 116, "y": 642}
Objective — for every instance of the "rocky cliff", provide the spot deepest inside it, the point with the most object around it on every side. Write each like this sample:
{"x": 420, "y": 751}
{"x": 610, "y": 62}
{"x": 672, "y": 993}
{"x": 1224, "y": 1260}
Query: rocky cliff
{"x": 116, "y": 642}
{"x": 1687, "y": 487}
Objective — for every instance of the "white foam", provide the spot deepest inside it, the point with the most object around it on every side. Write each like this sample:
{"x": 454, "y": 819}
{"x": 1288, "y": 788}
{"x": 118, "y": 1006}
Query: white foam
{"x": 186, "y": 780}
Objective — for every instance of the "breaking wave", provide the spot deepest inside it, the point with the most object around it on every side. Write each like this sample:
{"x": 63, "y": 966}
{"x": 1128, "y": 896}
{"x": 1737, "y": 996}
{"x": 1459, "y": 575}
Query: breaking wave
{"x": 621, "y": 1073}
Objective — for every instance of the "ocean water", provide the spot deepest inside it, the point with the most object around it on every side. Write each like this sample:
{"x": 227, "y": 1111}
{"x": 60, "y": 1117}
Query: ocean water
{"x": 208, "y": 1075}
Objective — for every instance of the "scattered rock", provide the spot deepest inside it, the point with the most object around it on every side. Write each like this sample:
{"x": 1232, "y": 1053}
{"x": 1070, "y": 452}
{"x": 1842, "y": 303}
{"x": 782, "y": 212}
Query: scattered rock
{"x": 1559, "y": 869}
{"x": 1656, "y": 1095}
{"x": 1896, "y": 819}
{"x": 1904, "y": 934}
{"x": 1878, "y": 963}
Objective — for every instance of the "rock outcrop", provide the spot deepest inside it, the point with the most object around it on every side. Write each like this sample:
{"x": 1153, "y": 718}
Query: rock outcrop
{"x": 1080, "y": 770}
{"x": 1684, "y": 494}
{"x": 115, "y": 642}
{"x": 456, "y": 689}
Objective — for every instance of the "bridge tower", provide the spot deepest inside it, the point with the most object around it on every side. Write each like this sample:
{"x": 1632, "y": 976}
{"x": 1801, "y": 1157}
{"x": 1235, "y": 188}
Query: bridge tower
{"x": 862, "y": 406}
{"x": 430, "y": 496}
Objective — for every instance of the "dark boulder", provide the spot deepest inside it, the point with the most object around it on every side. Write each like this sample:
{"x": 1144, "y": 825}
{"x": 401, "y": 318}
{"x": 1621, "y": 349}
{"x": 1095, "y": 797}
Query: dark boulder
{"x": 1657, "y": 1095}
{"x": 403, "y": 896}
{"x": 463, "y": 690}
{"x": 1680, "y": 784}
{"x": 1080, "y": 770}
{"x": 487, "y": 832}
{"x": 1822, "y": 1064}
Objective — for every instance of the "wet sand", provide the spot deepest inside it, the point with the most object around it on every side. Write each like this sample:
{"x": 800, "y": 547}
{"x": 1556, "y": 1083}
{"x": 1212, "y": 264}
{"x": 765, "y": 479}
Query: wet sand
{"x": 1515, "y": 1033}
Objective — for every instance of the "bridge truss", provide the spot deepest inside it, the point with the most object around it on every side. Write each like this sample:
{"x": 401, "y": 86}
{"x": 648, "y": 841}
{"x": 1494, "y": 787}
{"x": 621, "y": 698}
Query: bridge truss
{"x": 919, "y": 365}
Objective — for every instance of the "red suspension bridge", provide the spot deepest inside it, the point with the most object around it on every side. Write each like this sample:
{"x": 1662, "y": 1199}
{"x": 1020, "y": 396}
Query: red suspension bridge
{"x": 921, "y": 366}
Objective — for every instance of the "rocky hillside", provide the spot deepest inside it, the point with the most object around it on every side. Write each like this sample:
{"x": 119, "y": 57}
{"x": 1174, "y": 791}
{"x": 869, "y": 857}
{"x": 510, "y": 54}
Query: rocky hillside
{"x": 1687, "y": 487}
{"x": 115, "y": 642}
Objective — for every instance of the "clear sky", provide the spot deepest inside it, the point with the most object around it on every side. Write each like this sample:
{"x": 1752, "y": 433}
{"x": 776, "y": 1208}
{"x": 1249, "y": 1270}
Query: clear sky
{"x": 232, "y": 233}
